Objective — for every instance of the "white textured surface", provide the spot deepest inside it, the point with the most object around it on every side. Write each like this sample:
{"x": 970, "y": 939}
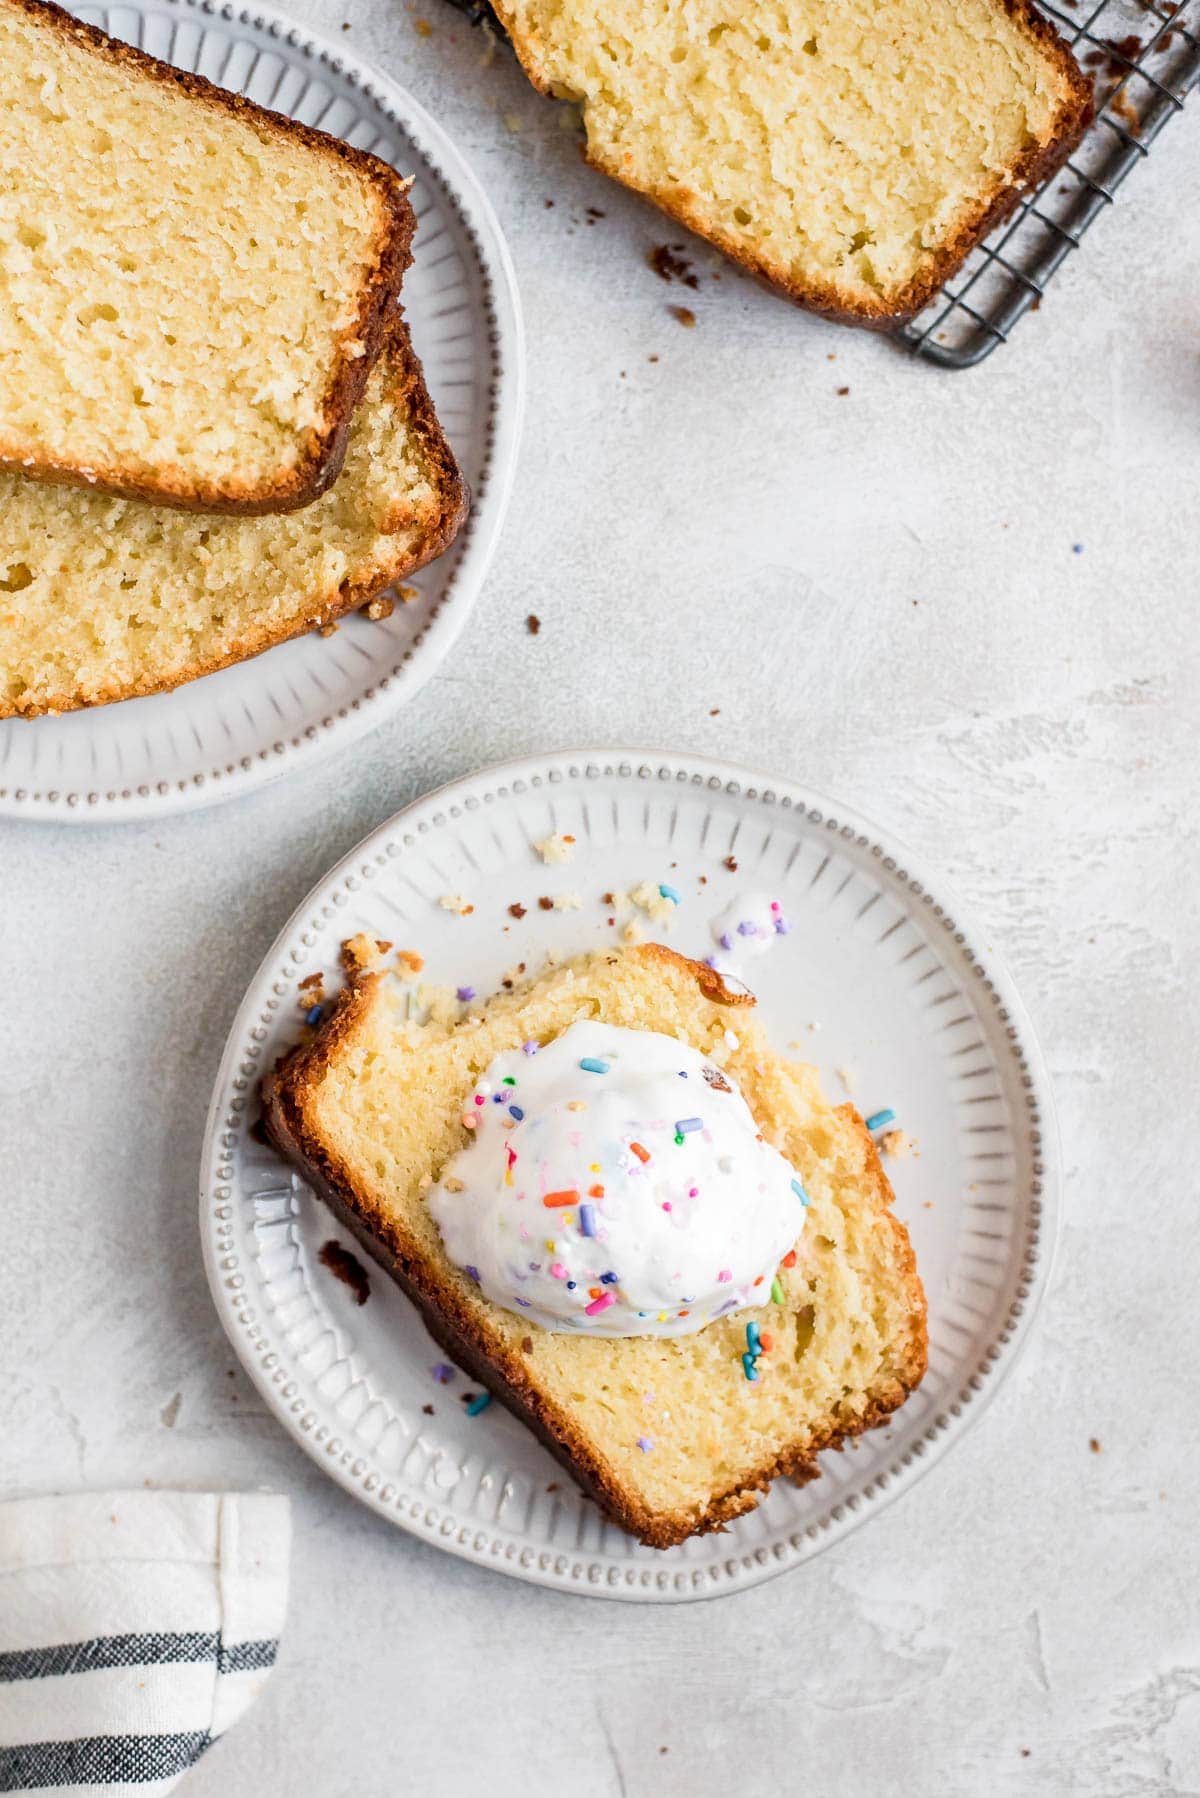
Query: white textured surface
{"x": 717, "y": 530}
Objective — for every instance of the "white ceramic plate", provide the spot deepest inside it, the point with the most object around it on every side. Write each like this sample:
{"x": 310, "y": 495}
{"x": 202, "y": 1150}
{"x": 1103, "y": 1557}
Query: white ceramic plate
{"x": 250, "y": 724}
{"x": 879, "y": 956}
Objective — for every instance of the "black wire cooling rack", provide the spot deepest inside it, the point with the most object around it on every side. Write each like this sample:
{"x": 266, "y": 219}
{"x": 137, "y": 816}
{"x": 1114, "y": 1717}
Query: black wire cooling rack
{"x": 1144, "y": 57}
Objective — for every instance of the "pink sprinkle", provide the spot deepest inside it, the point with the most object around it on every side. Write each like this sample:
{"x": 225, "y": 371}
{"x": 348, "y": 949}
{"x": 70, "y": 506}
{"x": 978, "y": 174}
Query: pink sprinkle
{"x": 479, "y": 1098}
{"x": 666, "y": 1205}
{"x": 725, "y": 1274}
{"x": 693, "y": 1192}
{"x": 774, "y": 905}
{"x": 601, "y": 1304}
{"x": 558, "y": 1270}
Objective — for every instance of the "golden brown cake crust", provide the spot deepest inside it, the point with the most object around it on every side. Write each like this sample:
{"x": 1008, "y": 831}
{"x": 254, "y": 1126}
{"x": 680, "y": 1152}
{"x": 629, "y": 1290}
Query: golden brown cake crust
{"x": 1027, "y": 172}
{"x": 457, "y": 1329}
{"x": 322, "y": 453}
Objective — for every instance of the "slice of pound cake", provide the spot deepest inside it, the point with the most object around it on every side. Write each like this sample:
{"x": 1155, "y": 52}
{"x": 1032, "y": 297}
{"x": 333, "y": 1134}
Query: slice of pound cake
{"x": 848, "y": 151}
{"x": 618, "y": 1207}
{"x": 104, "y": 599}
{"x": 193, "y": 290}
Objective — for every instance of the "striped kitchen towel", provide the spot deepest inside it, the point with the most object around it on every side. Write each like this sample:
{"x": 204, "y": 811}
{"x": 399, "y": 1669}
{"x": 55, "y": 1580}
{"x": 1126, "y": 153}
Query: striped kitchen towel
{"x": 135, "y": 1627}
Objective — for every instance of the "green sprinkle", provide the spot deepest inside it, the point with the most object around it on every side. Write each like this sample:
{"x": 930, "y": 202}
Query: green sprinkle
{"x": 508, "y": 1080}
{"x": 776, "y": 1291}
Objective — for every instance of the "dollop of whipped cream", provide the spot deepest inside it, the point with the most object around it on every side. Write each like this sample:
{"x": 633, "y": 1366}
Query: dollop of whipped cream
{"x": 616, "y": 1184}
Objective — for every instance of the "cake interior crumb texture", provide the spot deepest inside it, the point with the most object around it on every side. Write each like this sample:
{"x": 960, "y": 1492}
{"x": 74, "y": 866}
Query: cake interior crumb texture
{"x": 372, "y": 1109}
{"x": 848, "y": 150}
{"x": 188, "y": 284}
{"x": 104, "y": 599}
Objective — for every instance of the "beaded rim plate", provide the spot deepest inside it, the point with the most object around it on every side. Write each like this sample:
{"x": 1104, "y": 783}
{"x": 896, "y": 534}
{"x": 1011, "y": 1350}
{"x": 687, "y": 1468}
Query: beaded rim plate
{"x": 240, "y": 728}
{"x": 880, "y": 981}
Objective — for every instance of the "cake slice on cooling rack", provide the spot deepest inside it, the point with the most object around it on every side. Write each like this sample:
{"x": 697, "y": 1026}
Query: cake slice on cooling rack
{"x": 850, "y": 152}
{"x": 649, "y": 1234}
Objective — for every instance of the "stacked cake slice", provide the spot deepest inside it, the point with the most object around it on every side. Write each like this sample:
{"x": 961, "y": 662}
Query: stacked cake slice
{"x": 214, "y": 430}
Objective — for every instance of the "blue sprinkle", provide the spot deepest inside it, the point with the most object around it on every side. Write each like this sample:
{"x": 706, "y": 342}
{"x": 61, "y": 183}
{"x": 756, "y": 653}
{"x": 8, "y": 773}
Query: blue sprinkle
{"x": 670, "y": 893}
{"x": 752, "y": 1338}
{"x": 479, "y": 1403}
{"x": 590, "y": 1065}
{"x": 571, "y": 1285}
{"x": 748, "y": 1366}
{"x": 465, "y": 993}
{"x": 587, "y": 1220}
{"x": 798, "y": 1189}
{"x": 609, "y": 1279}
{"x": 880, "y": 1119}
{"x": 498, "y": 1098}
{"x": 747, "y": 927}
{"x": 313, "y": 1014}
{"x": 516, "y": 1112}
{"x": 685, "y": 1126}
{"x": 1077, "y": 549}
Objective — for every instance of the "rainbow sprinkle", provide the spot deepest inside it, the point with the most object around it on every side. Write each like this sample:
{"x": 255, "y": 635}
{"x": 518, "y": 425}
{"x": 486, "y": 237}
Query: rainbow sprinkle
{"x": 749, "y": 1366}
{"x": 645, "y": 1444}
{"x": 591, "y": 1065}
{"x": 881, "y": 1118}
{"x": 776, "y": 1291}
{"x": 601, "y": 1304}
{"x": 685, "y": 1126}
{"x": 479, "y": 1403}
{"x": 667, "y": 892}
{"x": 587, "y": 1220}
{"x": 798, "y": 1189}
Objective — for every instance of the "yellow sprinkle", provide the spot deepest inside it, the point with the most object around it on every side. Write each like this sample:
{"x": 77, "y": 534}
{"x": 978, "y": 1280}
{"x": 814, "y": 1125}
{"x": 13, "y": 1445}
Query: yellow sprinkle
{"x": 662, "y": 1317}
{"x": 594, "y": 1167}
{"x": 577, "y": 1105}
{"x": 549, "y": 1245}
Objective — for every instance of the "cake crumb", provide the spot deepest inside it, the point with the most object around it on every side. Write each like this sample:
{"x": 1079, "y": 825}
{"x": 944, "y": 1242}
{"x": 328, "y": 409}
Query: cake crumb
{"x": 685, "y": 316}
{"x": 456, "y": 903}
{"x": 422, "y": 27}
{"x": 568, "y": 902}
{"x": 633, "y": 932}
{"x": 379, "y": 608}
{"x": 557, "y": 848}
{"x": 898, "y": 1144}
{"x": 842, "y": 392}
{"x": 345, "y": 1266}
{"x": 848, "y": 1078}
{"x": 363, "y": 954}
{"x": 428, "y": 1410}
{"x": 545, "y": 903}
{"x": 730, "y": 862}
{"x": 533, "y": 623}
{"x": 410, "y": 962}
{"x": 516, "y": 910}
{"x": 1094, "y": 1445}
{"x": 408, "y": 595}
{"x": 670, "y": 265}
{"x": 327, "y": 630}
{"x": 311, "y": 980}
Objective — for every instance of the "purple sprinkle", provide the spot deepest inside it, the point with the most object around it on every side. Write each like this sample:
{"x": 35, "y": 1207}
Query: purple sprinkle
{"x": 443, "y": 1373}
{"x": 782, "y": 927}
{"x": 747, "y": 927}
{"x": 587, "y": 1220}
{"x": 522, "y": 1301}
{"x": 710, "y": 961}
{"x": 529, "y": 1048}
{"x": 645, "y": 1444}
{"x": 686, "y": 1125}
{"x": 725, "y": 940}
{"x": 465, "y": 993}
{"x": 472, "y": 1273}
